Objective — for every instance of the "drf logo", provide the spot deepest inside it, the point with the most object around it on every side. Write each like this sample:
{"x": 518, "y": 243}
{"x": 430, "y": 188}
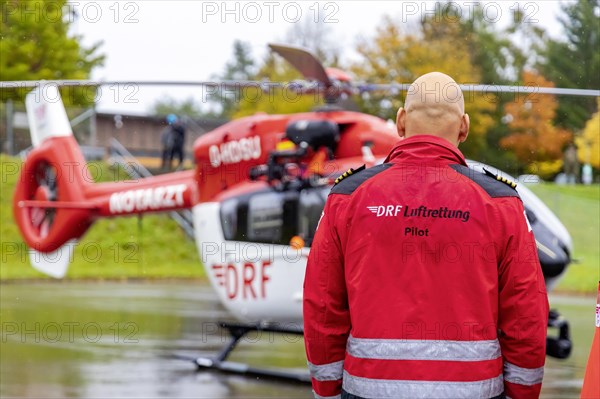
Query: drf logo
{"x": 385, "y": 210}
{"x": 248, "y": 281}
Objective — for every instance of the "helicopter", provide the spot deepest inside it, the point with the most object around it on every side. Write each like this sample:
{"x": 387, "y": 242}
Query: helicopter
{"x": 257, "y": 192}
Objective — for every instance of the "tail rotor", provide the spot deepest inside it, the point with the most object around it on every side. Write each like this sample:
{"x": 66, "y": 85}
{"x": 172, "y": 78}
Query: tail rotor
{"x": 48, "y": 203}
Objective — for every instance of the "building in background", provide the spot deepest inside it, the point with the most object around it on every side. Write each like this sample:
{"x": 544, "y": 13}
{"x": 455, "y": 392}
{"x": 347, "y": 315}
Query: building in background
{"x": 94, "y": 131}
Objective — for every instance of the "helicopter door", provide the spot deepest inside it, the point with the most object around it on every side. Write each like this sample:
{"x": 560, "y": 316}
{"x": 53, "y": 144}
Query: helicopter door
{"x": 273, "y": 217}
{"x": 312, "y": 202}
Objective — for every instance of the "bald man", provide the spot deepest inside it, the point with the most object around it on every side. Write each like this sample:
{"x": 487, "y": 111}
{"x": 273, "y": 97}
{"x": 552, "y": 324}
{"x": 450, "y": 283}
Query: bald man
{"x": 423, "y": 279}
{"x": 434, "y": 106}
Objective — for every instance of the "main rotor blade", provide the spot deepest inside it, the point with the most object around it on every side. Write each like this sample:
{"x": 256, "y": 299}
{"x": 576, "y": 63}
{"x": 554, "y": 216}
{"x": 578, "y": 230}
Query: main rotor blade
{"x": 304, "y": 61}
{"x": 233, "y": 84}
{"x": 299, "y": 87}
{"x": 482, "y": 88}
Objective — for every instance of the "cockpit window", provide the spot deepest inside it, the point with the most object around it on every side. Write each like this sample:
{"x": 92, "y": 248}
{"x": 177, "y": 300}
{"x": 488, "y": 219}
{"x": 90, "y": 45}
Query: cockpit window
{"x": 265, "y": 217}
{"x": 229, "y": 218}
{"x": 273, "y": 217}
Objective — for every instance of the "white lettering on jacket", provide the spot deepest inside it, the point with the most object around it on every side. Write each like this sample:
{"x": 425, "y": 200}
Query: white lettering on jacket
{"x": 147, "y": 199}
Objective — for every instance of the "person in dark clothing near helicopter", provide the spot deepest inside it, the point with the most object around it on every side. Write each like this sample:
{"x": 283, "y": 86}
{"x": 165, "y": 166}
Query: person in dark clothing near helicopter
{"x": 172, "y": 140}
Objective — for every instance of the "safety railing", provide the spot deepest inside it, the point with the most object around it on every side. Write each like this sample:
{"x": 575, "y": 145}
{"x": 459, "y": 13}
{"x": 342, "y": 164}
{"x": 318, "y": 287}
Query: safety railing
{"x": 121, "y": 156}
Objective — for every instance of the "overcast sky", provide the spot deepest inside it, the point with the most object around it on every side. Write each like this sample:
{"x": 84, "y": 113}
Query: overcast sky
{"x": 188, "y": 40}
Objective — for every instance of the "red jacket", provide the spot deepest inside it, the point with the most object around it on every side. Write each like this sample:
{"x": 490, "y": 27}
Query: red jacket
{"x": 423, "y": 281}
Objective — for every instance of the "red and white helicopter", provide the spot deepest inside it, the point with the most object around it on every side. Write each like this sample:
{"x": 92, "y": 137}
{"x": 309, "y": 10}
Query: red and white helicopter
{"x": 256, "y": 193}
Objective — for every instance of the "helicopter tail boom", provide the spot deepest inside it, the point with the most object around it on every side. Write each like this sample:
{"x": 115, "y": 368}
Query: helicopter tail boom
{"x": 56, "y": 199}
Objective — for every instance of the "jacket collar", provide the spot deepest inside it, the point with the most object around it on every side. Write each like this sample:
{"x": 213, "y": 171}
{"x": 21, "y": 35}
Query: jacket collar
{"x": 425, "y": 147}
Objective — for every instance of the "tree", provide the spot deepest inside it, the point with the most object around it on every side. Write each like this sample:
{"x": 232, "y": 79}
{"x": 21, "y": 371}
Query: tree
{"x": 318, "y": 37}
{"x": 237, "y": 103}
{"x": 396, "y": 56}
{"x": 280, "y": 100}
{"x": 533, "y": 138}
{"x": 241, "y": 67}
{"x": 502, "y": 53}
{"x": 575, "y": 61}
{"x": 588, "y": 143}
{"x": 495, "y": 55}
{"x": 36, "y": 44}
{"x": 529, "y": 41}
{"x": 383, "y": 61}
{"x": 486, "y": 47}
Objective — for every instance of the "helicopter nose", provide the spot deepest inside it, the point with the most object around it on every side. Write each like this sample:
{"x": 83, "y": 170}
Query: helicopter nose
{"x": 554, "y": 255}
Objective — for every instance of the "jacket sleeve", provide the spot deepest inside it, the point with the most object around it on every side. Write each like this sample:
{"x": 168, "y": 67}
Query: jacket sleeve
{"x": 523, "y": 305}
{"x": 326, "y": 314}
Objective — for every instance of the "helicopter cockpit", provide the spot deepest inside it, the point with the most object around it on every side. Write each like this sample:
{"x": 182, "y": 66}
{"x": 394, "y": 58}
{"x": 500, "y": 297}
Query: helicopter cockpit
{"x": 293, "y": 204}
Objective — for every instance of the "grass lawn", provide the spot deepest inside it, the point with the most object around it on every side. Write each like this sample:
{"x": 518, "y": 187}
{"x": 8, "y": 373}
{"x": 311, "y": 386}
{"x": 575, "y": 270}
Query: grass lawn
{"x": 578, "y": 207}
{"x": 119, "y": 248}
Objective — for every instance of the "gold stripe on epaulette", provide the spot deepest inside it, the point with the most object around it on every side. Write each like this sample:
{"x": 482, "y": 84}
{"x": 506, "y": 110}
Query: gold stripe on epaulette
{"x": 344, "y": 175}
{"x": 502, "y": 179}
{"x": 347, "y": 173}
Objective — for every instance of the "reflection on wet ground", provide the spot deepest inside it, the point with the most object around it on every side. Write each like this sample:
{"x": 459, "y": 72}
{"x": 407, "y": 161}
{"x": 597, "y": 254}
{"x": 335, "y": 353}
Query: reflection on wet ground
{"x": 101, "y": 340}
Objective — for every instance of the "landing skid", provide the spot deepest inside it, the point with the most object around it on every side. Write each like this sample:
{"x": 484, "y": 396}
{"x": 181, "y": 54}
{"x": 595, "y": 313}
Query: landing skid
{"x": 559, "y": 346}
{"x": 237, "y": 332}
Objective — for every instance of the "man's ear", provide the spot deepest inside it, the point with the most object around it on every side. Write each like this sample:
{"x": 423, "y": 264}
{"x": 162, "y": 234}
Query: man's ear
{"x": 464, "y": 128}
{"x": 401, "y": 122}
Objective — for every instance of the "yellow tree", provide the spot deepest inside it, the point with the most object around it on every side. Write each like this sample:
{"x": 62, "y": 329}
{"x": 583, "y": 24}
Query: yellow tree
{"x": 280, "y": 100}
{"x": 588, "y": 143}
{"x": 534, "y": 139}
{"x": 397, "y": 56}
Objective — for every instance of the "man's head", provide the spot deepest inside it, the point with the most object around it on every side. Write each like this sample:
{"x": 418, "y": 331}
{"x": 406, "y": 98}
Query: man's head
{"x": 434, "y": 105}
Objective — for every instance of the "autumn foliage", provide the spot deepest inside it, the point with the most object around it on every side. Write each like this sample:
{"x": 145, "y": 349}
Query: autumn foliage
{"x": 397, "y": 54}
{"x": 588, "y": 143}
{"x": 533, "y": 137}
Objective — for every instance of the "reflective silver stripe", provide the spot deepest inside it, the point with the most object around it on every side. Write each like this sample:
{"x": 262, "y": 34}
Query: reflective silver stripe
{"x": 418, "y": 349}
{"x": 521, "y": 375}
{"x": 375, "y": 388}
{"x": 317, "y": 396}
{"x": 326, "y": 372}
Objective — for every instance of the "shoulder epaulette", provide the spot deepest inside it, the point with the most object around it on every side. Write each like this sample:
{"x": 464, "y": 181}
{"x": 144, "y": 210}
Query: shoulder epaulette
{"x": 494, "y": 185}
{"x": 348, "y": 182}
{"x": 348, "y": 173}
{"x": 503, "y": 179}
